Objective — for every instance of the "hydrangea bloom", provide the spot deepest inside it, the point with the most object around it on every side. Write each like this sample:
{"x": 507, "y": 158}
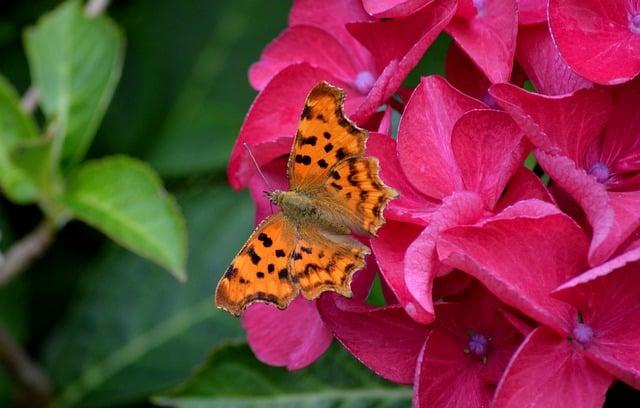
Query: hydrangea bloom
{"x": 500, "y": 289}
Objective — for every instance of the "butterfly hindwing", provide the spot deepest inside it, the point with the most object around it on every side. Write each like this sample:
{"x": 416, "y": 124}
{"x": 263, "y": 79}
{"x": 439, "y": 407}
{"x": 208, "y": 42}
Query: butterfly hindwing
{"x": 358, "y": 193}
{"x": 324, "y": 262}
{"x": 325, "y": 136}
{"x": 260, "y": 271}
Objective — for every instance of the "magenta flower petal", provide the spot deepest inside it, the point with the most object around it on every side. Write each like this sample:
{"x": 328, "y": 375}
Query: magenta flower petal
{"x": 488, "y": 149}
{"x": 569, "y": 125}
{"x": 424, "y": 136}
{"x": 411, "y": 205}
{"x": 393, "y": 8}
{"x": 521, "y": 258}
{"x": 466, "y": 353}
{"x": 465, "y": 75}
{"x": 302, "y": 44}
{"x": 294, "y": 337}
{"x": 384, "y": 339}
{"x": 607, "y": 297}
{"x": 547, "y": 371}
{"x": 531, "y": 12}
{"x": 273, "y": 118}
{"x": 539, "y": 58}
{"x": 421, "y": 265}
{"x": 524, "y": 185}
{"x": 389, "y": 247}
{"x": 332, "y": 16}
{"x": 621, "y": 144}
{"x": 599, "y": 39}
{"x": 488, "y": 36}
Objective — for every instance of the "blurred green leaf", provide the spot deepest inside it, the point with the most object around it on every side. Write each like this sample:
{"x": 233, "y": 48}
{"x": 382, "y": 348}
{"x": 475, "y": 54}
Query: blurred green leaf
{"x": 124, "y": 198}
{"x": 15, "y": 127}
{"x": 132, "y": 330}
{"x": 75, "y": 65}
{"x": 187, "y": 125}
{"x": 232, "y": 377}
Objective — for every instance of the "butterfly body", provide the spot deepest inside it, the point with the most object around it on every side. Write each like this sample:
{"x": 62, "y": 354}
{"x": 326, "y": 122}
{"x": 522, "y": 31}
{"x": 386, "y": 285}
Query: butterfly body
{"x": 334, "y": 190}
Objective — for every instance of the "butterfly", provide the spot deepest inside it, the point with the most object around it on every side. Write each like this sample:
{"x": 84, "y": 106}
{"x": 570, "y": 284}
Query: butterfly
{"x": 307, "y": 246}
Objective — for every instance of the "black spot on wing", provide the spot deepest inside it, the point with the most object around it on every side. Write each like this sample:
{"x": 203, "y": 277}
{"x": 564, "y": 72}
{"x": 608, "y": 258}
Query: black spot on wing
{"x": 311, "y": 140}
{"x": 327, "y": 135}
{"x": 255, "y": 258}
{"x": 306, "y": 112}
{"x": 280, "y": 253}
{"x": 283, "y": 273}
{"x": 341, "y": 154}
{"x": 323, "y": 163}
{"x": 264, "y": 238}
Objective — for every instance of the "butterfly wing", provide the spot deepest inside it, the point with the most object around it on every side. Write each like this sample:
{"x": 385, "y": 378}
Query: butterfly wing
{"x": 261, "y": 270}
{"x": 356, "y": 193}
{"x": 323, "y": 262}
{"x": 325, "y": 137}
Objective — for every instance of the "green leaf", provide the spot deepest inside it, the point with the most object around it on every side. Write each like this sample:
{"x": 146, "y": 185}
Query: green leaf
{"x": 124, "y": 198}
{"x": 232, "y": 377}
{"x": 75, "y": 64}
{"x": 131, "y": 330}
{"x": 15, "y": 127}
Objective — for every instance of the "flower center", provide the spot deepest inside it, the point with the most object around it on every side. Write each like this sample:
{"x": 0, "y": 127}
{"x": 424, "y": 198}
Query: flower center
{"x": 478, "y": 346}
{"x": 364, "y": 81}
{"x": 481, "y": 7}
{"x": 634, "y": 23}
{"x": 600, "y": 171}
{"x": 582, "y": 333}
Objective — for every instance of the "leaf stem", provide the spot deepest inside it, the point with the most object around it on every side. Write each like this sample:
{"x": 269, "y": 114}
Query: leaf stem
{"x": 24, "y": 252}
{"x": 31, "y": 379}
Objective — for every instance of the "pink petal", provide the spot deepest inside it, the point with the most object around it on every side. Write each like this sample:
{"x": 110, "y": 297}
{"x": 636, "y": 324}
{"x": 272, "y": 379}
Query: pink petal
{"x": 451, "y": 284}
{"x": 539, "y": 58}
{"x": 397, "y": 45}
{"x": 621, "y": 145}
{"x": 404, "y": 39}
{"x": 421, "y": 264}
{"x": 446, "y": 377}
{"x": 411, "y": 205}
{"x": 607, "y": 297}
{"x": 489, "y": 36}
{"x": 332, "y": 17}
{"x": 599, "y": 39}
{"x": 488, "y": 149}
{"x": 384, "y": 339}
{"x": 465, "y": 75}
{"x": 303, "y": 44}
{"x": 424, "y": 136}
{"x": 524, "y": 185}
{"x": 569, "y": 125}
{"x": 273, "y": 118}
{"x": 521, "y": 258}
{"x": 390, "y": 247}
{"x": 531, "y": 12}
{"x": 613, "y": 216}
{"x": 547, "y": 371}
{"x": 294, "y": 337}
{"x": 393, "y": 8}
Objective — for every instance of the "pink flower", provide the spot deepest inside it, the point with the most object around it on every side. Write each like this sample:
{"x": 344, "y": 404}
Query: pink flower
{"x": 588, "y": 143}
{"x": 459, "y": 358}
{"x": 600, "y": 40}
{"x": 454, "y": 160}
{"x": 587, "y": 336}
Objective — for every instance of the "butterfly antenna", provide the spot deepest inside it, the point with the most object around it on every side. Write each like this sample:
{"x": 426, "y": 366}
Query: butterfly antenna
{"x": 266, "y": 182}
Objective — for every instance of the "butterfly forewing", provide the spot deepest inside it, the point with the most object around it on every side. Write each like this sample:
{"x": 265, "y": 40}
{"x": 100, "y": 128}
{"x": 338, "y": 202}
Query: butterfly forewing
{"x": 260, "y": 271}
{"x": 325, "y": 137}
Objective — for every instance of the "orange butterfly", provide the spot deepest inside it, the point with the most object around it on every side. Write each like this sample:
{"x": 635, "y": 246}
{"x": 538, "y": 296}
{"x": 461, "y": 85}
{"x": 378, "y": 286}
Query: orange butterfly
{"x": 333, "y": 190}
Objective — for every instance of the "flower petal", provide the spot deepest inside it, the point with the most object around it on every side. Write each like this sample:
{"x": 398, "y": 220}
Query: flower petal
{"x": 488, "y": 149}
{"x": 393, "y": 8}
{"x": 547, "y": 371}
{"x": 294, "y": 337}
{"x": 384, "y": 339}
{"x": 424, "y": 136}
{"x": 599, "y": 39}
{"x": 521, "y": 255}
{"x": 489, "y": 36}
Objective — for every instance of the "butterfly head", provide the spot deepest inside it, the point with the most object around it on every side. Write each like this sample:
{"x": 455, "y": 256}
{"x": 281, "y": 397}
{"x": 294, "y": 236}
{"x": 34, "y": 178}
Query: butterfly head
{"x": 275, "y": 196}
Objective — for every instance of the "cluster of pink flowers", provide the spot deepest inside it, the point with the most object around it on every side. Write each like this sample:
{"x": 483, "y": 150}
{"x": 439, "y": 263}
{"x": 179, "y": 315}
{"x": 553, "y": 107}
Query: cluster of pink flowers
{"x": 501, "y": 288}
